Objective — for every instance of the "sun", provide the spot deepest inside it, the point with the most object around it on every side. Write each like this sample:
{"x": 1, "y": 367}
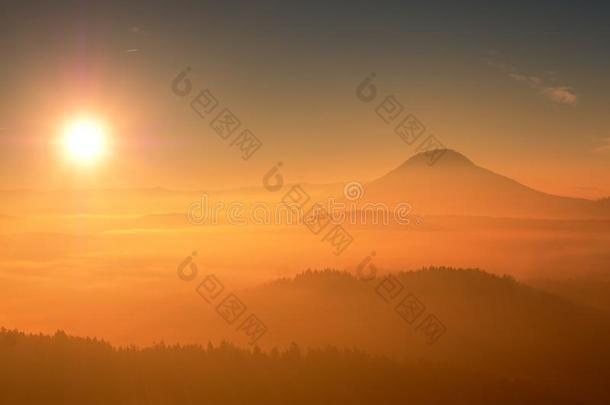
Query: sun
{"x": 84, "y": 140}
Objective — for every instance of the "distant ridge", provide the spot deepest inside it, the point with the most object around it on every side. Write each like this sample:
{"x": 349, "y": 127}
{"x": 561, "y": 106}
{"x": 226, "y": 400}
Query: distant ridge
{"x": 450, "y": 185}
{"x": 454, "y": 185}
{"x": 446, "y": 157}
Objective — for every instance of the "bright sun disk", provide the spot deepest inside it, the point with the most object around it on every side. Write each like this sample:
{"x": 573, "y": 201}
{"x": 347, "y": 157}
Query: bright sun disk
{"x": 84, "y": 140}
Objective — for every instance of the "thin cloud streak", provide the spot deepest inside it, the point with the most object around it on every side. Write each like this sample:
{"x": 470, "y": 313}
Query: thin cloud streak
{"x": 604, "y": 147}
{"x": 558, "y": 94}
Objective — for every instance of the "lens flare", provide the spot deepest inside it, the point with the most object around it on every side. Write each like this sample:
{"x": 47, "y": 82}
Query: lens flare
{"x": 84, "y": 141}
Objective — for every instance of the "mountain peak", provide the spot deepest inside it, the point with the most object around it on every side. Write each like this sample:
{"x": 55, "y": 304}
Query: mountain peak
{"x": 440, "y": 157}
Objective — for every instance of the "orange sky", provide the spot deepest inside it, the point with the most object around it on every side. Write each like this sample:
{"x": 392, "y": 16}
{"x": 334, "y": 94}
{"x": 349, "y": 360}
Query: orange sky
{"x": 529, "y": 112}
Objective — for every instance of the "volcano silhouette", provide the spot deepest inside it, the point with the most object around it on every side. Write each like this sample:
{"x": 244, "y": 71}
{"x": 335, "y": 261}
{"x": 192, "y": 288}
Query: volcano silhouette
{"x": 454, "y": 185}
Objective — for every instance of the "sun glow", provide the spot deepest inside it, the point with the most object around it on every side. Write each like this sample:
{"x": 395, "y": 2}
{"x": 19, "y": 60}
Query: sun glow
{"x": 84, "y": 140}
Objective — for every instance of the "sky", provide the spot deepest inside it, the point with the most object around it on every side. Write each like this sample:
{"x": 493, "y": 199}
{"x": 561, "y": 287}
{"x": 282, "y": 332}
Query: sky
{"x": 520, "y": 88}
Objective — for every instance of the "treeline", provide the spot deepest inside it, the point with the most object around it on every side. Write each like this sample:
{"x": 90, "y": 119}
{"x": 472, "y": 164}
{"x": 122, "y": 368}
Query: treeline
{"x": 60, "y": 369}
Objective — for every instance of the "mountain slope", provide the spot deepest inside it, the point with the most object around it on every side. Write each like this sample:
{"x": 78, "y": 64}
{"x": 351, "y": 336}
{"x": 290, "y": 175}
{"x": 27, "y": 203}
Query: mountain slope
{"x": 493, "y": 324}
{"x": 456, "y": 186}
{"x": 61, "y": 369}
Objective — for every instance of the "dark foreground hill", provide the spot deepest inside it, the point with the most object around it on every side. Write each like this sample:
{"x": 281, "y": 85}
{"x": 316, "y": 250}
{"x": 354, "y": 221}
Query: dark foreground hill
{"x": 59, "y": 369}
{"x": 491, "y": 324}
{"x": 501, "y": 342}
